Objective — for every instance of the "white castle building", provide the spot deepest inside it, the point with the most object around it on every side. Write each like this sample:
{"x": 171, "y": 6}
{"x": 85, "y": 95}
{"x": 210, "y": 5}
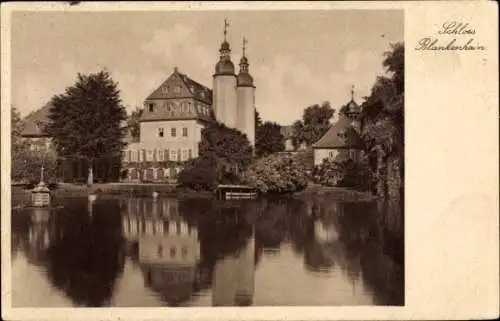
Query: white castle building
{"x": 175, "y": 113}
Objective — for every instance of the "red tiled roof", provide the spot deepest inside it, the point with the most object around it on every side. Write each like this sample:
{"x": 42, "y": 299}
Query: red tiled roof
{"x": 33, "y": 123}
{"x": 340, "y": 135}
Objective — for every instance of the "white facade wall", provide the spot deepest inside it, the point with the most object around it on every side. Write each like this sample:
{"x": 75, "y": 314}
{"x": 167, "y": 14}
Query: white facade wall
{"x": 246, "y": 112}
{"x": 225, "y": 99}
{"x": 321, "y": 154}
{"x": 153, "y": 145}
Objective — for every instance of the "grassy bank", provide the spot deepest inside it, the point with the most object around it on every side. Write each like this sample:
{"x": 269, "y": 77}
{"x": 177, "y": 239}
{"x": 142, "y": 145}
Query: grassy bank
{"x": 65, "y": 190}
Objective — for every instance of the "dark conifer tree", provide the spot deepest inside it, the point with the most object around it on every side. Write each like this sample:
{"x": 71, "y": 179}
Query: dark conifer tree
{"x": 86, "y": 123}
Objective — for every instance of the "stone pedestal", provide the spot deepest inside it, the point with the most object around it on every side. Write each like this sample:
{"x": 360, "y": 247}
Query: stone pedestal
{"x": 40, "y": 196}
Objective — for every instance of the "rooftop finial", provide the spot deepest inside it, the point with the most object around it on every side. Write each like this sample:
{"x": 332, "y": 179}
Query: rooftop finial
{"x": 245, "y": 41}
{"x": 352, "y": 92}
{"x": 226, "y": 24}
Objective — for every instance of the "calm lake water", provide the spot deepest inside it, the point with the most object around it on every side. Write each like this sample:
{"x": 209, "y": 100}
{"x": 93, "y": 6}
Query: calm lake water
{"x": 136, "y": 252}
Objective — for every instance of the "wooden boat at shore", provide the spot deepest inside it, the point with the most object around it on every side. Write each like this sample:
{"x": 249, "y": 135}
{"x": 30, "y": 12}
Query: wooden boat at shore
{"x": 235, "y": 192}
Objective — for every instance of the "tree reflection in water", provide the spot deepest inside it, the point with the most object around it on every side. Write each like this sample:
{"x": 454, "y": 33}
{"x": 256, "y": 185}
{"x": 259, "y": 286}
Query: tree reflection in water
{"x": 84, "y": 255}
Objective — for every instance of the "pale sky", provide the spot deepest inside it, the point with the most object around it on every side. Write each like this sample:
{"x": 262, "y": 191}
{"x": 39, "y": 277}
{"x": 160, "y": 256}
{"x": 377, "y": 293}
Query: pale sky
{"x": 297, "y": 58}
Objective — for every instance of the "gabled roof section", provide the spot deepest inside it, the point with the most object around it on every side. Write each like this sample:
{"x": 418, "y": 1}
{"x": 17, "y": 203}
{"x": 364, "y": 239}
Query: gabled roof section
{"x": 33, "y": 123}
{"x": 340, "y": 135}
{"x": 179, "y": 97}
{"x": 178, "y": 85}
{"x": 199, "y": 91}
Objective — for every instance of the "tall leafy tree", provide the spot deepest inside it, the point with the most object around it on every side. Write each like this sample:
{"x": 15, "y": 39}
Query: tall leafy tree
{"x": 223, "y": 154}
{"x": 133, "y": 122}
{"x": 383, "y": 111}
{"x": 258, "y": 119}
{"x": 86, "y": 121}
{"x": 16, "y": 127}
{"x": 314, "y": 124}
{"x": 17, "y": 155}
{"x": 268, "y": 139}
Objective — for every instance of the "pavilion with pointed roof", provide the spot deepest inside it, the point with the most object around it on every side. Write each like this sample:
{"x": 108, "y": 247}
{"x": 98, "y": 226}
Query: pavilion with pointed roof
{"x": 342, "y": 141}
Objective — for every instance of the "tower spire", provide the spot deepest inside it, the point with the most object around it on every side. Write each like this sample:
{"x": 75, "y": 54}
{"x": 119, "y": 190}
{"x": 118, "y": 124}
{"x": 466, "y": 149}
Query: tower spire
{"x": 244, "y": 45}
{"x": 244, "y": 77}
{"x": 225, "y": 66}
{"x": 226, "y": 25}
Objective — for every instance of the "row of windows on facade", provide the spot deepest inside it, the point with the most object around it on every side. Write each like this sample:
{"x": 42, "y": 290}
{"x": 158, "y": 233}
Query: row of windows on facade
{"x": 173, "y": 132}
{"x": 182, "y": 107}
{"x": 173, "y": 251}
{"x": 38, "y": 143}
{"x": 142, "y": 206}
{"x": 153, "y": 173}
{"x": 149, "y": 227}
{"x": 158, "y": 155}
{"x": 352, "y": 154}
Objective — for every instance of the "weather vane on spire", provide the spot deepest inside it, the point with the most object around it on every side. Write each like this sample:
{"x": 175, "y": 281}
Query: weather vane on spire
{"x": 245, "y": 41}
{"x": 226, "y": 24}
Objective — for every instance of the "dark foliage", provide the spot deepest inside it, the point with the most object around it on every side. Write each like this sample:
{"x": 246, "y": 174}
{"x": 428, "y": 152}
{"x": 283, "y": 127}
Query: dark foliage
{"x": 268, "y": 139}
{"x": 224, "y": 153}
{"x": 86, "y": 121}
{"x": 314, "y": 124}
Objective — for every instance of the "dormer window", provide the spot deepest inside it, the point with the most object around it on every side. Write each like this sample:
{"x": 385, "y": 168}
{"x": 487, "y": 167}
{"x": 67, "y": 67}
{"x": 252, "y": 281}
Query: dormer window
{"x": 203, "y": 94}
{"x": 177, "y": 89}
{"x": 151, "y": 107}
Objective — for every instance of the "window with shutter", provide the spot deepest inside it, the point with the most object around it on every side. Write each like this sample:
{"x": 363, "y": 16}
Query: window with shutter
{"x": 166, "y": 155}
{"x": 179, "y": 155}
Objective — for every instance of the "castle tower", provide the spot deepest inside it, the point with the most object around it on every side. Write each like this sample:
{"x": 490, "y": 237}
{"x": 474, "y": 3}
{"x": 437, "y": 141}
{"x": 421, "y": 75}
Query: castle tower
{"x": 353, "y": 111}
{"x": 246, "y": 99}
{"x": 224, "y": 86}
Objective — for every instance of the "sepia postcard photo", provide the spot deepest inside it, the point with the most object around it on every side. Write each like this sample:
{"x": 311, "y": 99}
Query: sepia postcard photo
{"x": 184, "y": 159}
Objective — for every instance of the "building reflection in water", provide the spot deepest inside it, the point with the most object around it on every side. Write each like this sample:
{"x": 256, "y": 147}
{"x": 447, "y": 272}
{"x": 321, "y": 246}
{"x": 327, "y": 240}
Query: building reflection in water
{"x": 234, "y": 277}
{"x": 192, "y": 252}
{"x": 328, "y": 249}
{"x": 168, "y": 251}
{"x": 168, "y": 247}
{"x": 39, "y": 236}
